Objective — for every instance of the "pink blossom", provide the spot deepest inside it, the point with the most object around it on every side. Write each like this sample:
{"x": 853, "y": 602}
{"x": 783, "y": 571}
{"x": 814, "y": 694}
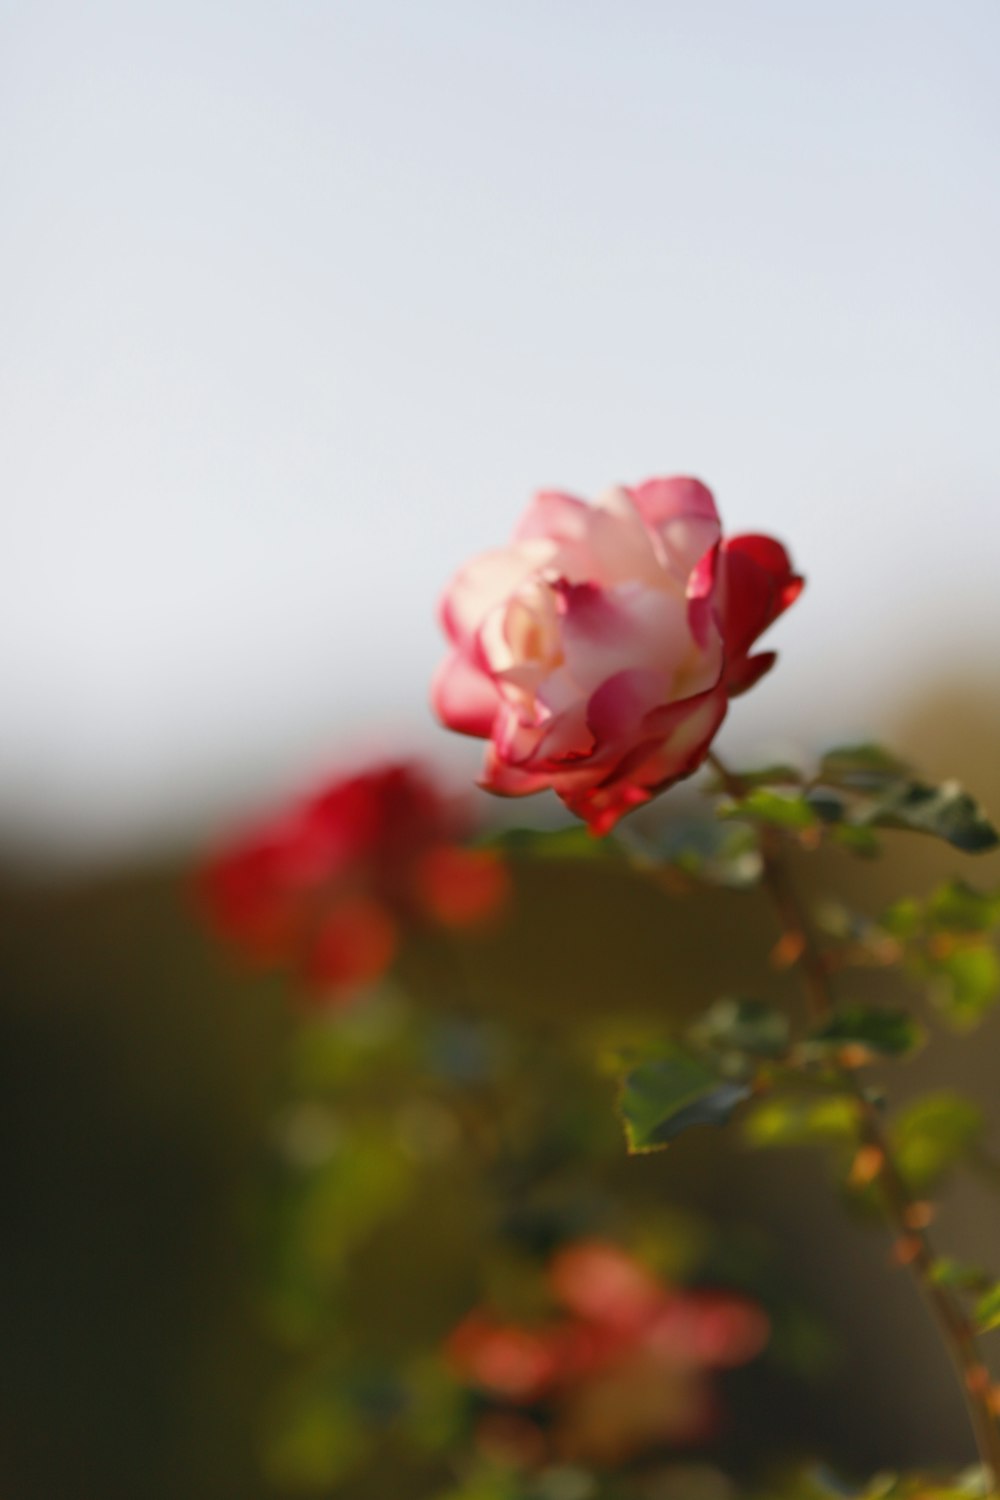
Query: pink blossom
{"x": 598, "y": 652}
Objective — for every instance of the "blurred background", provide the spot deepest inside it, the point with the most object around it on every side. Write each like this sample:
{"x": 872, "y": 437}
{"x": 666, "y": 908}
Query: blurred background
{"x": 299, "y": 305}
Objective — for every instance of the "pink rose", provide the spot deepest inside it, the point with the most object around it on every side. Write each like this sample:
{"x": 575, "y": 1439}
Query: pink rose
{"x": 598, "y": 652}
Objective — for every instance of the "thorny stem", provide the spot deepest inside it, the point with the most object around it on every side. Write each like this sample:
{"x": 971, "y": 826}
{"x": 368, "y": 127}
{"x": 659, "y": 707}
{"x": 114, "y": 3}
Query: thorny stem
{"x": 908, "y": 1217}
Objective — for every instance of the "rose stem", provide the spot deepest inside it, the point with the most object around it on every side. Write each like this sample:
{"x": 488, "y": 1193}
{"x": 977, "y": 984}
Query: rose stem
{"x": 907, "y": 1216}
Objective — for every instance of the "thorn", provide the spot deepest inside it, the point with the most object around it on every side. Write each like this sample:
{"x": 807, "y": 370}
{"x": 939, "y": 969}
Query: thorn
{"x": 977, "y": 1381}
{"x": 854, "y": 1055}
{"x": 788, "y": 950}
{"x": 866, "y": 1166}
{"x": 906, "y": 1249}
{"x": 919, "y": 1215}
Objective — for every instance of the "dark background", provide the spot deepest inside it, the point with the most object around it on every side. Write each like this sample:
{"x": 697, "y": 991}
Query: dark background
{"x": 138, "y": 1070}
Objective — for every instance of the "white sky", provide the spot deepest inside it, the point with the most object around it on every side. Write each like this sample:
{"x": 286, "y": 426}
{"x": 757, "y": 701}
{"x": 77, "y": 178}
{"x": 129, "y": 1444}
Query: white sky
{"x": 300, "y": 301}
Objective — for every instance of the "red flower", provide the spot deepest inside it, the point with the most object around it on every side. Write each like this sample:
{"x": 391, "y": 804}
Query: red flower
{"x": 627, "y": 1363}
{"x": 325, "y": 885}
{"x": 597, "y": 653}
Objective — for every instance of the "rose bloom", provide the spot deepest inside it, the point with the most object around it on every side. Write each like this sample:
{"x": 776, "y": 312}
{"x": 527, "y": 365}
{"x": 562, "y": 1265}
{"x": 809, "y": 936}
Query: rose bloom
{"x": 626, "y": 1366}
{"x": 325, "y": 885}
{"x": 598, "y": 652}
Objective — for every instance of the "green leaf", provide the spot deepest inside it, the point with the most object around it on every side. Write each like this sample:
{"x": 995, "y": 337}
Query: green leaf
{"x": 865, "y": 786}
{"x": 725, "y": 854}
{"x": 946, "y": 811}
{"x": 932, "y": 1135}
{"x": 863, "y": 765}
{"x": 777, "y": 775}
{"x": 890, "y": 1032}
{"x": 778, "y": 809}
{"x": 829, "y": 806}
{"x": 553, "y": 843}
{"x": 956, "y": 1274}
{"x": 904, "y": 919}
{"x": 968, "y": 982}
{"x": 672, "y": 1092}
{"x": 859, "y": 841}
{"x": 987, "y": 1312}
{"x": 747, "y": 1026}
{"x": 958, "y": 907}
{"x": 802, "y": 1120}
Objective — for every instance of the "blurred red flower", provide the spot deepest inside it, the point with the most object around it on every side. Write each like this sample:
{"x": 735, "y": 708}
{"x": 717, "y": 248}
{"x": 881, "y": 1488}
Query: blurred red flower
{"x": 626, "y": 1365}
{"x": 325, "y": 885}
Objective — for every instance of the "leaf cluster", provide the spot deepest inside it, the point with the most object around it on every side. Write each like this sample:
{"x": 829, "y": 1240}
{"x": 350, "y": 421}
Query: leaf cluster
{"x": 855, "y": 790}
{"x": 742, "y": 1051}
{"x": 949, "y": 939}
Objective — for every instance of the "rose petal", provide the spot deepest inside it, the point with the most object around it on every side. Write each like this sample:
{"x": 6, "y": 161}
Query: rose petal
{"x": 505, "y": 780}
{"x": 743, "y": 674}
{"x": 464, "y": 698}
{"x": 630, "y": 627}
{"x": 757, "y": 586}
{"x": 485, "y": 582}
{"x": 681, "y": 513}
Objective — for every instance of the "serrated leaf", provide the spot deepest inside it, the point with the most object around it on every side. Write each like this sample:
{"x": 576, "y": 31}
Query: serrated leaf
{"x": 932, "y": 1135}
{"x": 987, "y": 1313}
{"x": 890, "y": 1032}
{"x": 802, "y": 1120}
{"x": 745, "y": 1026}
{"x": 665, "y": 1095}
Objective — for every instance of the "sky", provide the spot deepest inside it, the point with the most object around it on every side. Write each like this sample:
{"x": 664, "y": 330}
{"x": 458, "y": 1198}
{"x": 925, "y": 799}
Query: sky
{"x": 300, "y": 302}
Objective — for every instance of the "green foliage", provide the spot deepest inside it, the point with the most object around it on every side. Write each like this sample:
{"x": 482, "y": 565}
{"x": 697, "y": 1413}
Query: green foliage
{"x": 987, "y": 1312}
{"x": 946, "y": 811}
{"x": 571, "y": 843}
{"x": 820, "y": 1485}
{"x": 668, "y": 1481}
{"x": 780, "y": 773}
{"x": 744, "y": 1026}
{"x": 714, "y": 852}
{"x": 958, "y": 907}
{"x": 949, "y": 940}
{"x": 315, "y": 1439}
{"x": 803, "y": 1119}
{"x": 856, "y": 839}
{"x": 664, "y": 1095}
{"x": 931, "y": 1136}
{"x": 779, "y": 809}
{"x": 959, "y": 1276}
{"x": 865, "y": 765}
{"x": 891, "y": 1032}
{"x": 858, "y": 788}
{"x": 968, "y": 982}
{"x": 701, "y": 1079}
